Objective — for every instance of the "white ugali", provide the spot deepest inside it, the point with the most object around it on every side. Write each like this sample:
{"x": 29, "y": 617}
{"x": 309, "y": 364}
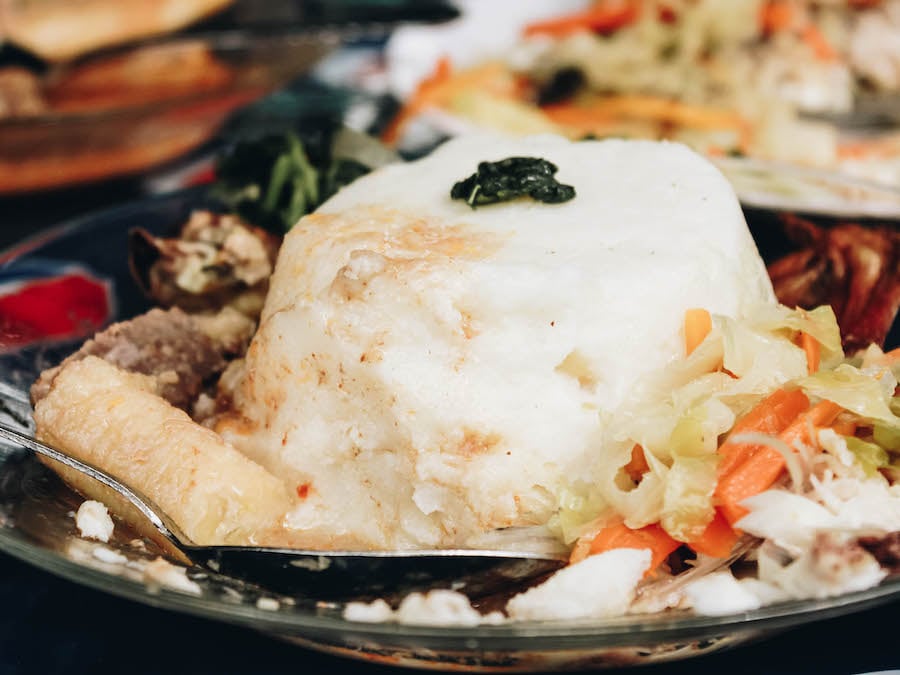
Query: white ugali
{"x": 425, "y": 372}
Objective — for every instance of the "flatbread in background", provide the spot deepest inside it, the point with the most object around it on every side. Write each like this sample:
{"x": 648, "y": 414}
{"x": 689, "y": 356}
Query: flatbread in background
{"x": 58, "y": 30}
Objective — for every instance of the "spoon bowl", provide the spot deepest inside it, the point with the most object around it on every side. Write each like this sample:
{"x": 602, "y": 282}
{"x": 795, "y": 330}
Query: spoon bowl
{"x": 326, "y": 573}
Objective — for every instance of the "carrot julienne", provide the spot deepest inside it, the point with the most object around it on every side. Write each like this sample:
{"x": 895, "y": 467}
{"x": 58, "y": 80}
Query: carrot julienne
{"x": 651, "y": 537}
{"x": 760, "y": 466}
{"x": 603, "y": 16}
{"x": 638, "y": 466}
{"x": 444, "y": 84}
{"x": 697, "y": 325}
{"x": 813, "y": 352}
{"x": 717, "y": 540}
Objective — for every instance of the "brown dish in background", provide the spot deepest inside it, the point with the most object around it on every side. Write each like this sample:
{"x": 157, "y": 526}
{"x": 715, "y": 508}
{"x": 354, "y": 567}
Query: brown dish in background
{"x": 113, "y": 115}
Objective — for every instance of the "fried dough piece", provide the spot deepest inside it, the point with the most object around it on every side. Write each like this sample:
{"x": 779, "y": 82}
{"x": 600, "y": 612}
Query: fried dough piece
{"x": 116, "y": 421}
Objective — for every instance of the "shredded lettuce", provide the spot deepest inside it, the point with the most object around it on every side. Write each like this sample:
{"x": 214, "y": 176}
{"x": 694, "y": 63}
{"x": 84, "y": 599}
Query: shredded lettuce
{"x": 819, "y": 323}
{"x": 580, "y": 509}
{"x": 887, "y": 437}
{"x": 871, "y": 457}
{"x": 866, "y": 394}
{"x": 762, "y": 360}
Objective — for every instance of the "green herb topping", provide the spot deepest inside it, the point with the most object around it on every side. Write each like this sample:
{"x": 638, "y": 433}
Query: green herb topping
{"x": 511, "y": 178}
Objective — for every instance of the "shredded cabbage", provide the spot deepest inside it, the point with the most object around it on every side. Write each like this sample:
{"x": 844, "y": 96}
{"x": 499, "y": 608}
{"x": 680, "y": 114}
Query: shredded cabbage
{"x": 867, "y": 394}
{"x": 578, "y": 514}
{"x": 820, "y": 323}
{"x": 680, "y": 416}
{"x": 870, "y": 456}
{"x": 687, "y": 499}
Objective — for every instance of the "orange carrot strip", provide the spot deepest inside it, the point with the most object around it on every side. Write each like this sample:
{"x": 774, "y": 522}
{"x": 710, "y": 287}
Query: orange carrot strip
{"x": 717, "y": 540}
{"x": 637, "y": 467}
{"x": 844, "y": 425}
{"x": 769, "y": 416}
{"x": 604, "y": 109}
{"x": 444, "y": 84}
{"x": 651, "y": 537}
{"x": 821, "y": 415}
{"x": 597, "y": 115}
{"x": 876, "y": 147}
{"x": 776, "y": 16}
{"x": 760, "y": 470}
{"x": 697, "y": 325}
{"x": 580, "y": 551}
{"x": 425, "y": 91}
{"x": 821, "y": 49}
{"x": 603, "y": 17}
{"x": 813, "y": 352}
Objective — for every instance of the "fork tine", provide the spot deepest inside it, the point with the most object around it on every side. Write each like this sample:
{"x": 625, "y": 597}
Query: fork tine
{"x": 15, "y": 407}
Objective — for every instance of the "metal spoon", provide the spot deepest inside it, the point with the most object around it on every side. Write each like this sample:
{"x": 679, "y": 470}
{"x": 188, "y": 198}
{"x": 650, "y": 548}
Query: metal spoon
{"x": 477, "y": 572}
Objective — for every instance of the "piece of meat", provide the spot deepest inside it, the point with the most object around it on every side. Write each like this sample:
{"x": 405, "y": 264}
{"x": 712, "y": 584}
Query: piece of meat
{"x": 216, "y": 260}
{"x": 886, "y": 550}
{"x": 854, "y": 269}
{"x": 183, "y": 352}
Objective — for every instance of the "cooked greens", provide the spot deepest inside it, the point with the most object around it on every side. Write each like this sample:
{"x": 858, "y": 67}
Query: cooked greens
{"x": 273, "y": 181}
{"x": 512, "y": 178}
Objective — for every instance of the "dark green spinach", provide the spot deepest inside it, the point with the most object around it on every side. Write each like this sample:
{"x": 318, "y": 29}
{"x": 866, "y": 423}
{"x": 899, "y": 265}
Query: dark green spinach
{"x": 512, "y": 178}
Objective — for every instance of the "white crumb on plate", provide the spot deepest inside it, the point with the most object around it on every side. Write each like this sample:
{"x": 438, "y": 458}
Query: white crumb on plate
{"x": 439, "y": 607}
{"x": 93, "y": 521}
{"x": 160, "y": 573}
{"x": 442, "y": 608}
{"x": 599, "y": 586}
{"x": 377, "y": 611}
{"x": 719, "y": 593}
{"x": 268, "y": 604}
{"x": 108, "y": 555}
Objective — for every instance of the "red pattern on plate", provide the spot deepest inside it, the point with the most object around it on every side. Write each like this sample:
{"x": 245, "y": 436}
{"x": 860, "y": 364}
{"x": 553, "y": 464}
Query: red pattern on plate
{"x": 67, "y": 306}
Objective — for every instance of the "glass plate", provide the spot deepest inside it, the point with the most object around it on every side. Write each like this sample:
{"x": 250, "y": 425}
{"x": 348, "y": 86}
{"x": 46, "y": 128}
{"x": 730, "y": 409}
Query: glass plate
{"x": 36, "y": 523}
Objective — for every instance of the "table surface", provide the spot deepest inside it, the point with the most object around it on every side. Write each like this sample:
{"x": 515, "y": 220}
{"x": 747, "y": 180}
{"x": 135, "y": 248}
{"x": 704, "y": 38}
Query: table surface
{"x": 49, "y": 625}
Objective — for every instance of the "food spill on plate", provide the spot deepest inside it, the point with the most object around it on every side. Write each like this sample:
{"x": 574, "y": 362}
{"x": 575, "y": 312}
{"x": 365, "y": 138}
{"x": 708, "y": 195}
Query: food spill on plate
{"x": 611, "y": 373}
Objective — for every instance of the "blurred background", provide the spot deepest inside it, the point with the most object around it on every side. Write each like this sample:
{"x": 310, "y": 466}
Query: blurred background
{"x": 93, "y": 91}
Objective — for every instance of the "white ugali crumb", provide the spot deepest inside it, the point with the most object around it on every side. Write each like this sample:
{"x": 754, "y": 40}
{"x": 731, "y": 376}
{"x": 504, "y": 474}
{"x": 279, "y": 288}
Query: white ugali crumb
{"x": 440, "y": 608}
{"x": 268, "y": 604}
{"x": 720, "y": 593}
{"x": 93, "y": 521}
{"x": 599, "y": 586}
{"x": 108, "y": 555}
{"x": 161, "y": 573}
{"x": 377, "y": 611}
{"x": 434, "y": 608}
